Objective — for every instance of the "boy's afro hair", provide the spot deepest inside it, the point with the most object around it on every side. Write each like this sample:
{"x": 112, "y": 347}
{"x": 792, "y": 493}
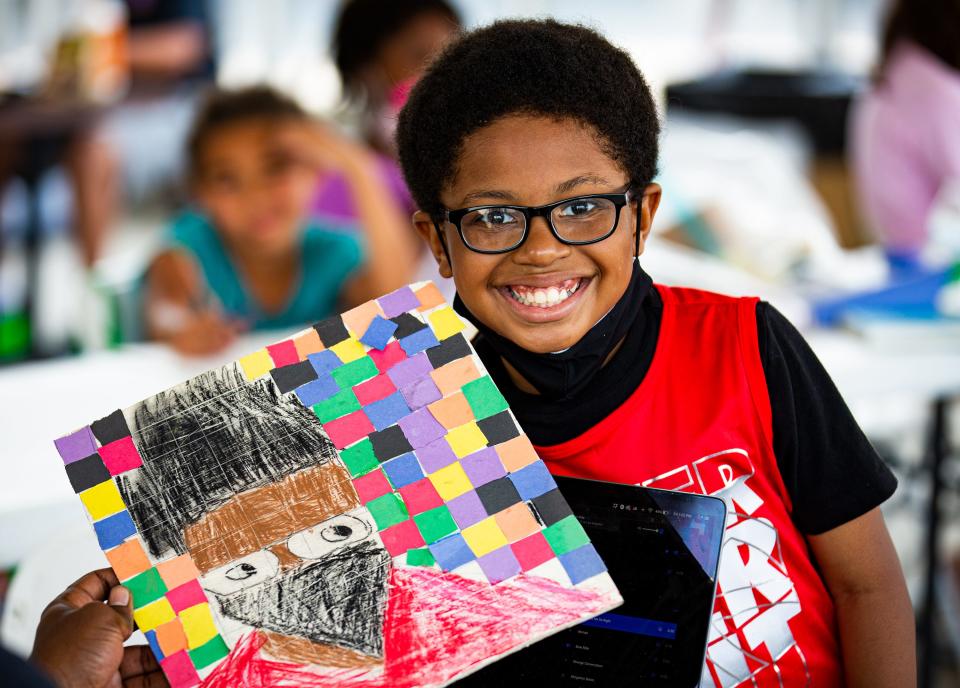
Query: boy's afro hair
{"x": 537, "y": 67}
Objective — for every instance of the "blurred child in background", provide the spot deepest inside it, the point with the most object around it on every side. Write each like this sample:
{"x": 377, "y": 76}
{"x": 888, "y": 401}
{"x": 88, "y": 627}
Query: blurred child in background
{"x": 249, "y": 256}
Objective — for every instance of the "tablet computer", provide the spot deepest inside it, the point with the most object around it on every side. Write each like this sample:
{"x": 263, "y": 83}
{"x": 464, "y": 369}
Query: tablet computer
{"x": 662, "y": 549}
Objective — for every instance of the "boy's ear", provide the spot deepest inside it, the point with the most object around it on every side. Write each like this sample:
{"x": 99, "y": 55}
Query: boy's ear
{"x": 647, "y": 205}
{"x": 429, "y": 232}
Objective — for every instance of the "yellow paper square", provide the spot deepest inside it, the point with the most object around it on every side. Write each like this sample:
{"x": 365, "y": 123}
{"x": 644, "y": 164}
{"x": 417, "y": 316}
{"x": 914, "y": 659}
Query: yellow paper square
{"x": 466, "y": 439}
{"x": 484, "y": 537}
{"x": 102, "y": 500}
{"x": 349, "y": 350}
{"x": 198, "y": 625}
{"x": 445, "y": 323}
{"x": 256, "y": 364}
{"x": 450, "y": 481}
{"x": 154, "y": 614}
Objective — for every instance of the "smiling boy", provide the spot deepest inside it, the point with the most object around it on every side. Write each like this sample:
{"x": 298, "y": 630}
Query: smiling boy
{"x": 530, "y": 149}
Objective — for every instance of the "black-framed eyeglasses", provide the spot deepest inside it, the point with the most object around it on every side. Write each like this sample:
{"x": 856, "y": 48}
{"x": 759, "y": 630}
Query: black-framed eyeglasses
{"x": 574, "y": 221}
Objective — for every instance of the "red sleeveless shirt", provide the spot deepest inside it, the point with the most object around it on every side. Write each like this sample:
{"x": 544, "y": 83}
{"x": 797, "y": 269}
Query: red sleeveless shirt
{"x": 700, "y": 422}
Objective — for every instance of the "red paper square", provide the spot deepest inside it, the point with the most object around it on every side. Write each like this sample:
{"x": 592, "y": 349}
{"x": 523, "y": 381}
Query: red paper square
{"x": 420, "y": 496}
{"x": 389, "y": 357}
{"x": 374, "y": 389}
{"x": 532, "y": 551}
{"x": 372, "y": 485}
{"x": 348, "y": 429}
{"x": 284, "y": 353}
{"x": 120, "y": 455}
{"x": 401, "y": 537}
{"x": 179, "y": 670}
{"x": 186, "y": 595}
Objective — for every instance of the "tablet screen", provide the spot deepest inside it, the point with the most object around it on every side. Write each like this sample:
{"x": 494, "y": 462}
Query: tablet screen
{"x": 661, "y": 549}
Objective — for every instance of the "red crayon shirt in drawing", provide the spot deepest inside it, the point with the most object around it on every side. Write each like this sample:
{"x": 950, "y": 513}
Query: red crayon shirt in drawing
{"x": 701, "y": 422}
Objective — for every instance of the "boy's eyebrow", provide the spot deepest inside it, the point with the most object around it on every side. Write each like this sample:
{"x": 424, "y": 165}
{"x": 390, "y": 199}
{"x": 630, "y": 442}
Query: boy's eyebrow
{"x": 579, "y": 180}
{"x": 561, "y": 188}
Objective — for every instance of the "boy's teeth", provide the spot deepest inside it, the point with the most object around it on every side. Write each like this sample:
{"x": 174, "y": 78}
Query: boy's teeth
{"x": 544, "y": 298}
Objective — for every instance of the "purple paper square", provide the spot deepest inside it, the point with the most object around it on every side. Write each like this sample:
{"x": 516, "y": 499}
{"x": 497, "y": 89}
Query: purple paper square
{"x": 421, "y": 393}
{"x": 467, "y": 509}
{"x": 77, "y": 445}
{"x": 435, "y": 455}
{"x": 399, "y": 301}
{"x": 499, "y": 565}
{"x": 408, "y": 371}
{"x": 421, "y": 428}
{"x": 483, "y": 466}
{"x": 379, "y": 332}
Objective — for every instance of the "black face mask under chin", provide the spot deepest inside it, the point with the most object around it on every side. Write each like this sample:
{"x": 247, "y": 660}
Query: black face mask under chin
{"x": 562, "y": 375}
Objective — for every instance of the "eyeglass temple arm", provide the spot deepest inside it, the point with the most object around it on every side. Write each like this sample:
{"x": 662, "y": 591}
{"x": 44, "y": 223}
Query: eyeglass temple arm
{"x": 436, "y": 227}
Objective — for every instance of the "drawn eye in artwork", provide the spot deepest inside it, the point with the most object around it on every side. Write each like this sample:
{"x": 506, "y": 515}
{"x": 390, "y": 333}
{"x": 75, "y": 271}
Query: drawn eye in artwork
{"x": 325, "y": 537}
{"x": 241, "y": 574}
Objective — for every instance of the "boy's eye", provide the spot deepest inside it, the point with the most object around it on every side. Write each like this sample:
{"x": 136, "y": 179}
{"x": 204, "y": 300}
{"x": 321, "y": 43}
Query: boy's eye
{"x": 493, "y": 218}
{"x": 579, "y": 208}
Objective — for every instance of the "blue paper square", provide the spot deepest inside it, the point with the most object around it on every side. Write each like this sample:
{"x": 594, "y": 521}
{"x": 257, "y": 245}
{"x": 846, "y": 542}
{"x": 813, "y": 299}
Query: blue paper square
{"x": 403, "y": 470}
{"x": 533, "y": 480}
{"x": 113, "y": 530}
{"x": 451, "y": 552}
{"x": 324, "y": 362}
{"x": 318, "y": 390}
{"x": 582, "y": 563}
{"x": 379, "y": 332}
{"x": 387, "y": 411}
{"x": 419, "y": 341}
{"x": 154, "y": 645}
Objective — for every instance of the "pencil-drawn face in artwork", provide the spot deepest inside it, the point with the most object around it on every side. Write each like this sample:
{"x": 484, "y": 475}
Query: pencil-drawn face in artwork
{"x": 269, "y": 517}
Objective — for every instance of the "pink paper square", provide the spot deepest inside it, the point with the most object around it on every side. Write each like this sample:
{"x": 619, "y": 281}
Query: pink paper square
{"x": 401, "y": 537}
{"x": 186, "y": 595}
{"x": 389, "y": 357}
{"x": 532, "y": 551}
{"x": 348, "y": 429}
{"x": 372, "y": 485}
{"x": 420, "y": 496}
{"x": 284, "y": 353}
{"x": 374, "y": 389}
{"x": 179, "y": 670}
{"x": 120, "y": 455}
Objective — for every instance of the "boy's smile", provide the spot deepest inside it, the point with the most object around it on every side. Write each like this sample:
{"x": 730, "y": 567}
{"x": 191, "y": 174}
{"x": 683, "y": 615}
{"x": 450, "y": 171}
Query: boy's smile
{"x": 544, "y": 295}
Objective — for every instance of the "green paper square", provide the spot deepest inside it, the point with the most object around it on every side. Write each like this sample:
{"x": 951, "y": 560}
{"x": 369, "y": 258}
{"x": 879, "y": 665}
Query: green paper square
{"x": 359, "y": 458}
{"x": 420, "y": 557}
{"x": 340, "y": 404}
{"x": 209, "y": 652}
{"x": 566, "y": 535}
{"x": 484, "y": 398}
{"x": 387, "y": 510}
{"x": 435, "y": 523}
{"x": 355, "y": 372}
{"x": 146, "y": 587}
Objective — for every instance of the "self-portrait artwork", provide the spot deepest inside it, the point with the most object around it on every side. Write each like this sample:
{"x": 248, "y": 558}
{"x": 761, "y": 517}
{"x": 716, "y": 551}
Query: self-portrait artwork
{"x": 354, "y": 506}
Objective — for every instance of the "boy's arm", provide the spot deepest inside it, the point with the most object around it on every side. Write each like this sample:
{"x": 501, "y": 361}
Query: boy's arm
{"x": 862, "y": 572}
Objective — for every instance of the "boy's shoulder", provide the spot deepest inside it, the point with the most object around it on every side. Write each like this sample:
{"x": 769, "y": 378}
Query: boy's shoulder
{"x": 701, "y": 297}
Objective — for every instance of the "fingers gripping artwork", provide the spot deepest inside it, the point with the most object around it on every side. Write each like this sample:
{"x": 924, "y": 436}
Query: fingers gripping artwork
{"x": 353, "y": 506}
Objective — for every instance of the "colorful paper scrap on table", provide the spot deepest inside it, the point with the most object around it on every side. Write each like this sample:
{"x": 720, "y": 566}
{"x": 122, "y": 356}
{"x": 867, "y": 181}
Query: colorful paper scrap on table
{"x": 352, "y": 506}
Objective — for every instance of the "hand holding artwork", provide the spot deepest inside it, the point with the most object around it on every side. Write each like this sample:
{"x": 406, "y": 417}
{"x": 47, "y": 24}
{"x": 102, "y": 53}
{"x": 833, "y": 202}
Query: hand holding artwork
{"x": 79, "y": 641}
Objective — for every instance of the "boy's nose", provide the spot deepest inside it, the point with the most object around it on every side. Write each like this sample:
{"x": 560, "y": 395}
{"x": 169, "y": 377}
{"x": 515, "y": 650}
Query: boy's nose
{"x": 541, "y": 247}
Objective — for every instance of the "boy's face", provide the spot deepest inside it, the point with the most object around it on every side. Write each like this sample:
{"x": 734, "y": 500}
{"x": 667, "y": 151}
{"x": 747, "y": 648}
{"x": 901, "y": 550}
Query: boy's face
{"x": 535, "y": 160}
{"x": 255, "y": 189}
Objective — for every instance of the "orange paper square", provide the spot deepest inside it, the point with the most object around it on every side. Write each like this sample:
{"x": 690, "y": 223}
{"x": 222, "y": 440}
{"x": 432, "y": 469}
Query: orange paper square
{"x": 128, "y": 559}
{"x": 516, "y": 453}
{"x": 451, "y": 377}
{"x": 308, "y": 343}
{"x": 517, "y": 522}
{"x": 358, "y": 319}
{"x": 429, "y": 297}
{"x": 170, "y": 637}
{"x": 176, "y": 572}
{"x": 451, "y": 411}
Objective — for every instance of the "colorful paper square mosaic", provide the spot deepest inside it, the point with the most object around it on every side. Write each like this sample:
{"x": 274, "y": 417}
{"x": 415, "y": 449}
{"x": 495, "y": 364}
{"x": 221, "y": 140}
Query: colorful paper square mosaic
{"x": 265, "y": 513}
